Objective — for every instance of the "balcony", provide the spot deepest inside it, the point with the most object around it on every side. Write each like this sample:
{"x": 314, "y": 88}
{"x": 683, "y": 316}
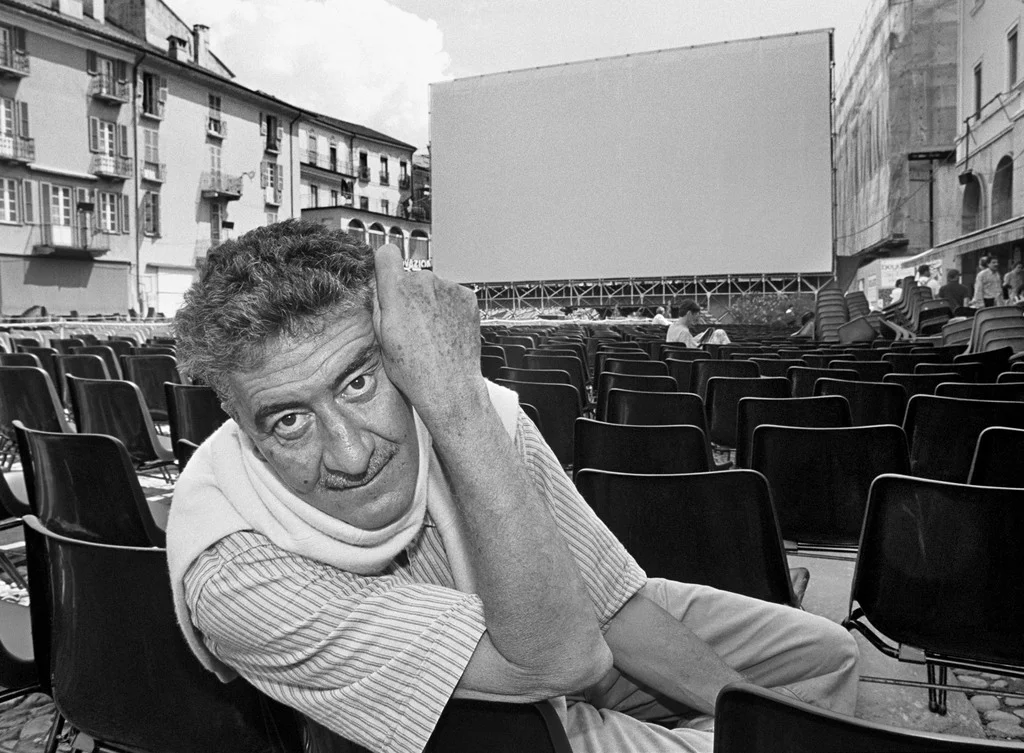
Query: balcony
{"x": 154, "y": 172}
{"x": 324, "y": 162}
{"x": 346, "y": 200}
{"x": 108, "y": 89}
{"x": 364, "y": 173}
{"x": 153, "y": 110}
{"x": 13, "y": 62}
{"x": 220, "y": 186}
{"x": 404, "y": 182}
{"x": 272, "y": 196}
{"x": 385, "y": 179}
{"x": 216, "y": 127}
{"x": 17, "y": 149}
{"x": 59, "y": 239}
{"x": 273, "y": 145}
{"x": 107, "y": 166}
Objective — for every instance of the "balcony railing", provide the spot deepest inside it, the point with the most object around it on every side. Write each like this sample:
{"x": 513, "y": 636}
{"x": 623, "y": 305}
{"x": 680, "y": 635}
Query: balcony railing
{"x": 271, "y": 195}
{"x": 364, "y": 173}
{"x": 324, "y": 162}
{"x": 13, "y": 62}
{"x": 53, "y": 236}
{"x": 107, "y": 166}
{"x": 17, "y": 149}
{"x": 404, "y": 182}
{"x": 273, "y": 144}
{"x": 109, "y": 89}
{"x": 216, "y": 127}
{"x": 385, "y": 179}
{"x": 220, "y": 186}
{"x": 154, "y": 172}
{"x": 153, "y": 110}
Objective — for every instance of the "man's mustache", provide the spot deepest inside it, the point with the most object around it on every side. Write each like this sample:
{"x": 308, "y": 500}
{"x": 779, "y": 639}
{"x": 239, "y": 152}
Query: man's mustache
{"x": 339, "y": 480}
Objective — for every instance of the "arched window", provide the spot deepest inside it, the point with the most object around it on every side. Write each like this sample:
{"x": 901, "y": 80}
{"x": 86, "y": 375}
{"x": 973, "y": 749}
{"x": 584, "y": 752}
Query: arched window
{"x": 1002, "y": 191}
{"x": 397, "y": 236}
{"x": 970, "y": 216}
{"x": 376, "y": 235}
{"x": 357, "y": 229}
{"x": 419, "y": 245}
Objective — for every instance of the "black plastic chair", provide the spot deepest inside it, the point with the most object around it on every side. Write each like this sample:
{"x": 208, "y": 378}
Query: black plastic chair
{"x": 654, "y": 408}
{"x": 194, "y": 413}
{"x": 570, "y": 364}
{"x": 680, "y": 352}
{"x": 871, "y": 403}
{"x": 938, "y": 574}
{"x": 820, "y": 477}
{"x": 607, "y": 380}
{"x": 630, "y": 366}
{"x": 702, "y": 371}
{"x": 108, "y": 616}
{"x": 981, "y": 390}
{"x": 558, "y": 406}
{"x": 116, "y": 408}
{"x": 28, "y": 395}
{"x": 775, "y": 367}
{"x": 106, "y": 353}
{"x": 84, "y": 486}
{"x": 716, "y": 529}
{"x": 84, "y": 366}
{"x": 639, "y": 449}
{"x": 904, "y": 363}
{"x": 867, "y": 371}
{"x": 19, "y": 359}
{"x": 46, "y": 358}
{"x": 791, "y": 411}
{"x": 943, "y": 431}
{"x": 723, "y": 397}
{"x": 1010, "y": 376}
{"x": 921, "y": 384}
{"x": 993, "y": 361}
{"x": 491, "y": 366}
{"x": 150, "y": 372}
{"x": 997, "y": 457}
{"x": 968, "y": 371}
{"x": 750, "y": 719}
{"x": 802, "y": 378}
{"x": 155, "y": 350}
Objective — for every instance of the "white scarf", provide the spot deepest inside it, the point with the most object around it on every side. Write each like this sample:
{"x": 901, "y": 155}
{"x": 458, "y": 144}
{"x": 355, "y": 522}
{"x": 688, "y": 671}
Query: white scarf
{"x": 227, "y": 488}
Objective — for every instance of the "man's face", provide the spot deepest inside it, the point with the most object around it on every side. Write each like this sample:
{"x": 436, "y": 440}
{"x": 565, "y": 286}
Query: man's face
{"x": 323, "y": 413}
{"x": 994, "y": 265}
{"x": 691, "y": 318}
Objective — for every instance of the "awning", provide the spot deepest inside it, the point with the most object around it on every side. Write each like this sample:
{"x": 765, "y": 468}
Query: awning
{"x": 1007, "y": 231}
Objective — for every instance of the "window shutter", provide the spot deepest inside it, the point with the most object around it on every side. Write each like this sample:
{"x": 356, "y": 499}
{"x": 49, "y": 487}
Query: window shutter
{"x": 94, "y": 134}
{"x": 263, "y": 125}
{"x": 122, "y": 132}
{"x": 125, "y": 214}
{"x": 44, "y": 203}
{"x": 121, "y": 70}
{"x": 23, "y": 119}
{"x": 156, "y": 213}
{"x": 264, "y": 174}
{"x": 10, "y": 118}
{"x": 280, "y": 133}
{"x": 28, "y": 200}
{"x": 19, "y": 38}
{"x": 279, "y": 182}
{"x": 163, "y": 90}
{"x": 90, "y": 62}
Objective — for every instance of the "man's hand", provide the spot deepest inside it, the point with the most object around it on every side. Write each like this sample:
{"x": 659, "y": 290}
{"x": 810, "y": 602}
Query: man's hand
{"x": 429, "y": 333}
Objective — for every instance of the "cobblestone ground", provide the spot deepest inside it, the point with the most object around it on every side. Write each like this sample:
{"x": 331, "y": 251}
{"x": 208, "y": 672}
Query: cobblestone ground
{"x": 1003, "y": 716}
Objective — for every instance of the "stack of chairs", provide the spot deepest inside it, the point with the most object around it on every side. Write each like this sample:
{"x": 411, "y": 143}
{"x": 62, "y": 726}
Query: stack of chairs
{"x": 830, "y": 313}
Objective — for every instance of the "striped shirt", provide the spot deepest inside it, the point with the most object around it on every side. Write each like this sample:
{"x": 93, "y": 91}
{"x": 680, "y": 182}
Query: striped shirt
{"x": 376, "y": 658}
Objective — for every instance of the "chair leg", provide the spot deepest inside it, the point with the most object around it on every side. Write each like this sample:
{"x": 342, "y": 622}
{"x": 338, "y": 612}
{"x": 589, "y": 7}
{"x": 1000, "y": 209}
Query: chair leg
{"x": 8, "y": 567}
{"x": 937, "y": 696}
{"x": 53, "y": 737}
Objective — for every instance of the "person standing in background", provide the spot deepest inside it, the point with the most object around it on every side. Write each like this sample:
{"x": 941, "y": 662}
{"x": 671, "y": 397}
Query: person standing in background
{"x": 989, "y": 284}
{"x": 954, "y": 291}
{"x": 1013, "y": 282}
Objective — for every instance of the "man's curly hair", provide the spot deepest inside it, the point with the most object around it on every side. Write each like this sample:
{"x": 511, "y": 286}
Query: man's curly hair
{"x": 275, "y": 281}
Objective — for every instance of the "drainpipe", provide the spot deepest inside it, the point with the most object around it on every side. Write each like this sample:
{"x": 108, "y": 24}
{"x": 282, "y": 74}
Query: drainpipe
{"x": 291, "y": 163}
{"x": 135, "y": 181}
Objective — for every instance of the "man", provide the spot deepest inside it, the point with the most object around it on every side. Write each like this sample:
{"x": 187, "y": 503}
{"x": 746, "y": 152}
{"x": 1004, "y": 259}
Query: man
{"x": 1013, "y": 282}
{"x": 659, "y": 317}
{"x": 954, "y": 291}
{"x": 681, "y": 330}
{"x": 989, "y": 285}
{"x": 925, "y": 278}
{"x": 378, "y": 528}
{"x": 897, "y": 293}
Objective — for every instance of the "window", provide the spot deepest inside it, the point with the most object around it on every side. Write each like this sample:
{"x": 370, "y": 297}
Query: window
{"x": 60, "y": 205}
{"x": 29, "y": 201}
{"x": 270, "y": 127}
{"x": 151, "y": 146}
{"x": 214, "y": 101}
{"x": 272, "y": 182}
{"x": 12, "y": 48}
{"x": 314, "y": 195}
{"x": 154, "y": 95}
{"x": 215, "y": 152}
{"x": 271, "y": 218}
{"x": 1011, "y": 58}
{"x": 977, "y": 90}
{"x": 364, "y": 203}
{"x": 151, "y": 213}
{"x": 108, "y": 138}
{"x": 384, "y": 177}
{"x": 333, "y": 152}
{"x": 334, "y": 197}
{"x": 111, "y": 75}
{"x": 215, "y": 120}
{"x": 385, "y": 205}
{"x": 403, "y": 169}
{"x": 216, "y": 220}
{"x": 108, "y": 212}
{"x": 8, "y": 200}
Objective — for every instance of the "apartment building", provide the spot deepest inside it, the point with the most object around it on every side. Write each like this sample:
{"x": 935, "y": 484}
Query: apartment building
{"x": 355, "y": 178}
{"x": 126, "y": 151}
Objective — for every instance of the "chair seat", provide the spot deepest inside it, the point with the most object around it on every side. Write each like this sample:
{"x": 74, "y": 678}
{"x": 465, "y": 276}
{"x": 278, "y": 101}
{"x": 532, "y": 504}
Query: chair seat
{"x": 16, "y": 632}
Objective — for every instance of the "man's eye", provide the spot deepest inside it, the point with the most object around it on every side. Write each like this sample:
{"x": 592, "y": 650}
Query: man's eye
{"x": 360, "y": 385}
{"x": 289, "y": 425}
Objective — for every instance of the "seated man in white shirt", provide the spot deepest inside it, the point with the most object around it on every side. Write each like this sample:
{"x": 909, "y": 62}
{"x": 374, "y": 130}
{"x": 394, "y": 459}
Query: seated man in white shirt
{"x": 928, "y": 280}
{"x": 378, "y": 528}
{"x": 681, "y": 330}
{"x": 659, "y": 317}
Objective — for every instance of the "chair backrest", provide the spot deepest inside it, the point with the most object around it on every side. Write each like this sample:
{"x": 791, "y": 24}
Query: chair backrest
{"x": 982, "y": 390}
{"x": 723, "y": 397}
{"x": 46, "y": 359}
{"x": 775, "y": 367}
{"x": 195, "y": 412}
{"x": 638, "y": 449}
{"x": 19, "y": 359}
{"x": 921, "y": 540}
{"x": 548, "y": 376}
{"x": 570, "y": 364}
{"x": 115, "y": 408}
{"x": 820, "y": 477}
{"x": 750, "y": 719}
{"x": 716, "y": 529}
{"x": 558, "y": 406}
{"x": 654, "y": 408}
{"x": 871, "y": 403}
{"x": 84, "y": 485}
{"x": 904, "y": 363}
{"x": 997, "y": 458}
{"x": 790, "y": 411}
{"x": 1008, "y": 377}
{"x": 120, "y": 346}
{"x": 802, "y": 378}
{"x": 703, "y": 371}
{"x": 994, "y": 360}
{"x": 491, "y": 366}
{"x": 79, "y": 365}
{"x": 110, "y": 614}
{"x": 155, "y": 350}
{"x": 150, "y": 372}
{"x": 635, "y": 366}
{"x": 868, "y": 371}
{"x": 943, "y": 431}
{"x": 680, "y": 352}
{"x": 921, "y": 384}
{"x": 28, "y": 395}
{"x": 606, "y": 381}
{"x": 968, "y": 372}
{"x": 106, "y": 353}
{"x": 514, "y": 355}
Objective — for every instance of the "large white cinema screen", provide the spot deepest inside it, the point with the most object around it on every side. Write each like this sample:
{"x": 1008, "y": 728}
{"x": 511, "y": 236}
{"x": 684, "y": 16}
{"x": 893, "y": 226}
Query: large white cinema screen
{"x": 704, "y": 160}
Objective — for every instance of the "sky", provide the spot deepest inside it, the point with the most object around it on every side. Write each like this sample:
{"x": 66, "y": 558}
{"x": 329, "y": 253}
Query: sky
{"x": 372, "y": 61}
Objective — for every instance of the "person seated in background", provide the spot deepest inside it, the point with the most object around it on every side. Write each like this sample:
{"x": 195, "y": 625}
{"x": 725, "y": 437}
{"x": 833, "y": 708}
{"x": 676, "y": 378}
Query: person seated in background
{"x": 926, "y": 279}
{"x": 659, "y": 317}
{"x": 897, "y": 293}
{"x": 954, "y": 291}
{"x": 378, "y": 528}
{"x": 681, "y": 330}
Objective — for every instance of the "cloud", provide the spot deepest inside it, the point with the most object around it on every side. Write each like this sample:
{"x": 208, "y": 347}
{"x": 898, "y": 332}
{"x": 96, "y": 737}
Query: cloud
{"x": 364, "y": 61}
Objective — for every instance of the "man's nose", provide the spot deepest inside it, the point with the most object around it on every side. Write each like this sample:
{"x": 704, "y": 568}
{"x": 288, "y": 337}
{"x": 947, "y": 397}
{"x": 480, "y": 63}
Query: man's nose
{"x": 347, "y": 447}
